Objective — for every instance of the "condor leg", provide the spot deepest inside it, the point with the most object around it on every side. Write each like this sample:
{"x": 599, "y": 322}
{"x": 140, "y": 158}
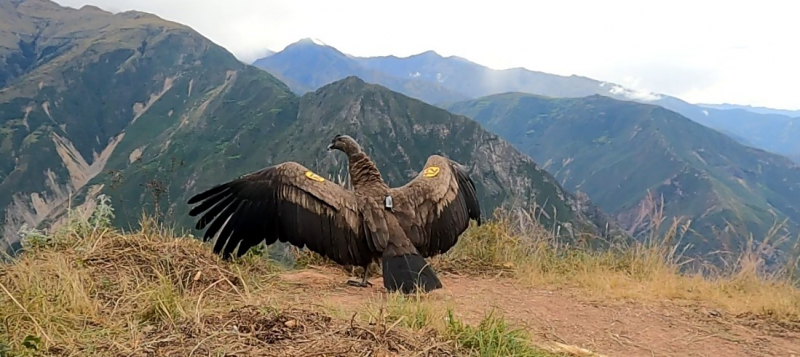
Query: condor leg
{"x": 363, "y": 283}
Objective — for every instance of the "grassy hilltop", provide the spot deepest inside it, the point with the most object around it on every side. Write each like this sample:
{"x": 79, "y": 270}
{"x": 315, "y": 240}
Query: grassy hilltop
{"x": 92, "y": 289}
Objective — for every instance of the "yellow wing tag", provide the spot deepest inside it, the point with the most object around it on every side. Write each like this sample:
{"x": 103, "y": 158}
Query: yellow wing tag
{"x": 431, "y": 171}
{"x": 314, "y": 176}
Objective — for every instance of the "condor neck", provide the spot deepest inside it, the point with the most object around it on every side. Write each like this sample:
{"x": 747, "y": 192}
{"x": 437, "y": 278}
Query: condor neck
{"x": 363, "y": 171}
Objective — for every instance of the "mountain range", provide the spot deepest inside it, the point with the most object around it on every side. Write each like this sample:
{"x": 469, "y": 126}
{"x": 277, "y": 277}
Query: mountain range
{"x": 621, "y": 152}
{"x": 754, "y": 109}
{"x": 149, "y": 112}
{"x": 428, "y": 76}
{"x": 308, "y": 65}
{"x": 712, "y": 166}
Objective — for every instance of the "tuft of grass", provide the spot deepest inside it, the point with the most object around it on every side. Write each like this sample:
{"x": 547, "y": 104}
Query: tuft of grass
{"x": 411, "y": 311}
{"x": 87, "y": 283}
{"x": 493, "y": 337}
{"x": 490, "y": 248}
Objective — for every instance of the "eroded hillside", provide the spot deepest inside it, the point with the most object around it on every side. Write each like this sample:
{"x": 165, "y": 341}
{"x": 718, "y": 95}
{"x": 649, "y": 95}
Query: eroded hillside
{"x": 90, "y": 76}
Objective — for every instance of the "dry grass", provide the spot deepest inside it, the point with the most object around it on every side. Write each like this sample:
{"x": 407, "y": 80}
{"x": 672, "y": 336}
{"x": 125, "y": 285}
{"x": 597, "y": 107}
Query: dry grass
{"x": 649, "y": 271}
{"x": 88, "y": 289}
{"x": 91, "y": 290}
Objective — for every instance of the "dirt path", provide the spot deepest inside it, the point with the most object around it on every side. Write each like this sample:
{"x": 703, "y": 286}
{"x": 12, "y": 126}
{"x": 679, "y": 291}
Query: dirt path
{"x": 605, "y": 328}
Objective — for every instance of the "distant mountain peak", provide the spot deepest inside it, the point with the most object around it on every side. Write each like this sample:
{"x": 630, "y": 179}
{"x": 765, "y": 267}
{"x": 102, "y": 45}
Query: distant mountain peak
{"x": 459, "y": 58}
{"x": 41, "y": 4}
{"x": 349, "y": 81}
{"x": 136, "y": 14}
{"x": 93, "y": 8}
{"x": 312, "y": 40}
{"x": 268, "y": 52}
{"x": 430, "y": 53}
{"x": 313, "y": 45}
{"x": 436, "y": 55}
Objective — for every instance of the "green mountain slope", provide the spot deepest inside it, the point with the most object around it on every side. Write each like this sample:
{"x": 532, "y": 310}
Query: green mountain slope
{"x": 90, "y": 78}
{"x": 398, "y": 132}
{"x": 618, "y": 151}
{"x": 149, "y": 112}
{"x": 772, "y": 132}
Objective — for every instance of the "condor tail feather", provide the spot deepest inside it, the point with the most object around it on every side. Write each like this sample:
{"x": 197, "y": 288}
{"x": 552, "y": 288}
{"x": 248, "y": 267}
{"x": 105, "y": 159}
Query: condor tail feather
{"x": 408, "y": 273}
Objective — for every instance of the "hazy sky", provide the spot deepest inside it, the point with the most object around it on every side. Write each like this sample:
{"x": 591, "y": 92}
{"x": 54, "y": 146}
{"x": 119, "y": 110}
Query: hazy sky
{"x": 743, "y": 52}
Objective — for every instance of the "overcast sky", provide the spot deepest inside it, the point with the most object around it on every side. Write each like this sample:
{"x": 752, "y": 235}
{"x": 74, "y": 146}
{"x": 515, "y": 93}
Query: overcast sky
{"x": 742, "y": 52}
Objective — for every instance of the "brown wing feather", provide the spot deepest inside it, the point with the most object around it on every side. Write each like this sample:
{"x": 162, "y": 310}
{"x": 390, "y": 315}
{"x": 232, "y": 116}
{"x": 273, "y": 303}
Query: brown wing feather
{"x": 435, "y": 210}
{"x": 281, "y": 203}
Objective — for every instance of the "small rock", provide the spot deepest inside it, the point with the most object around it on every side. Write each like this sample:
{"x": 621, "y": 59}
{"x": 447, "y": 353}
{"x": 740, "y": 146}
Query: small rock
{"x": 290, "y": 323}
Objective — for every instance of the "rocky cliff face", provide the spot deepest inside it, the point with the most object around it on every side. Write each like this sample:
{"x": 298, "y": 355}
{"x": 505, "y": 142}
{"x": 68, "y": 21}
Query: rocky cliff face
{"x": 75, "y": 82}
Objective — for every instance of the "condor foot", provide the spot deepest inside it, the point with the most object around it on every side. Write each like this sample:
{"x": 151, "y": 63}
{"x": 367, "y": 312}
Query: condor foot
{"x": 359, "y": 283}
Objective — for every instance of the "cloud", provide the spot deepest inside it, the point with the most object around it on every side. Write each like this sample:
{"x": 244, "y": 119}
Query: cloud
{"x": 710, "y": 51}
{"x": 633, "y": 93}
{"x": 672, "y": 78}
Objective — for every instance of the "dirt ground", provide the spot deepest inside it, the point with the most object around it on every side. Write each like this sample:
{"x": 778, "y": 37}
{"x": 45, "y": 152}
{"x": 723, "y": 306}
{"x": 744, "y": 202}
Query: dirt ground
{"x": 564, "y": 317}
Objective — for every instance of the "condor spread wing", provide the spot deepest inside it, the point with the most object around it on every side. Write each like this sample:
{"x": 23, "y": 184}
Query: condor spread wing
{"x": 436, "y": 206}
{"x": 285, "y": 202}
